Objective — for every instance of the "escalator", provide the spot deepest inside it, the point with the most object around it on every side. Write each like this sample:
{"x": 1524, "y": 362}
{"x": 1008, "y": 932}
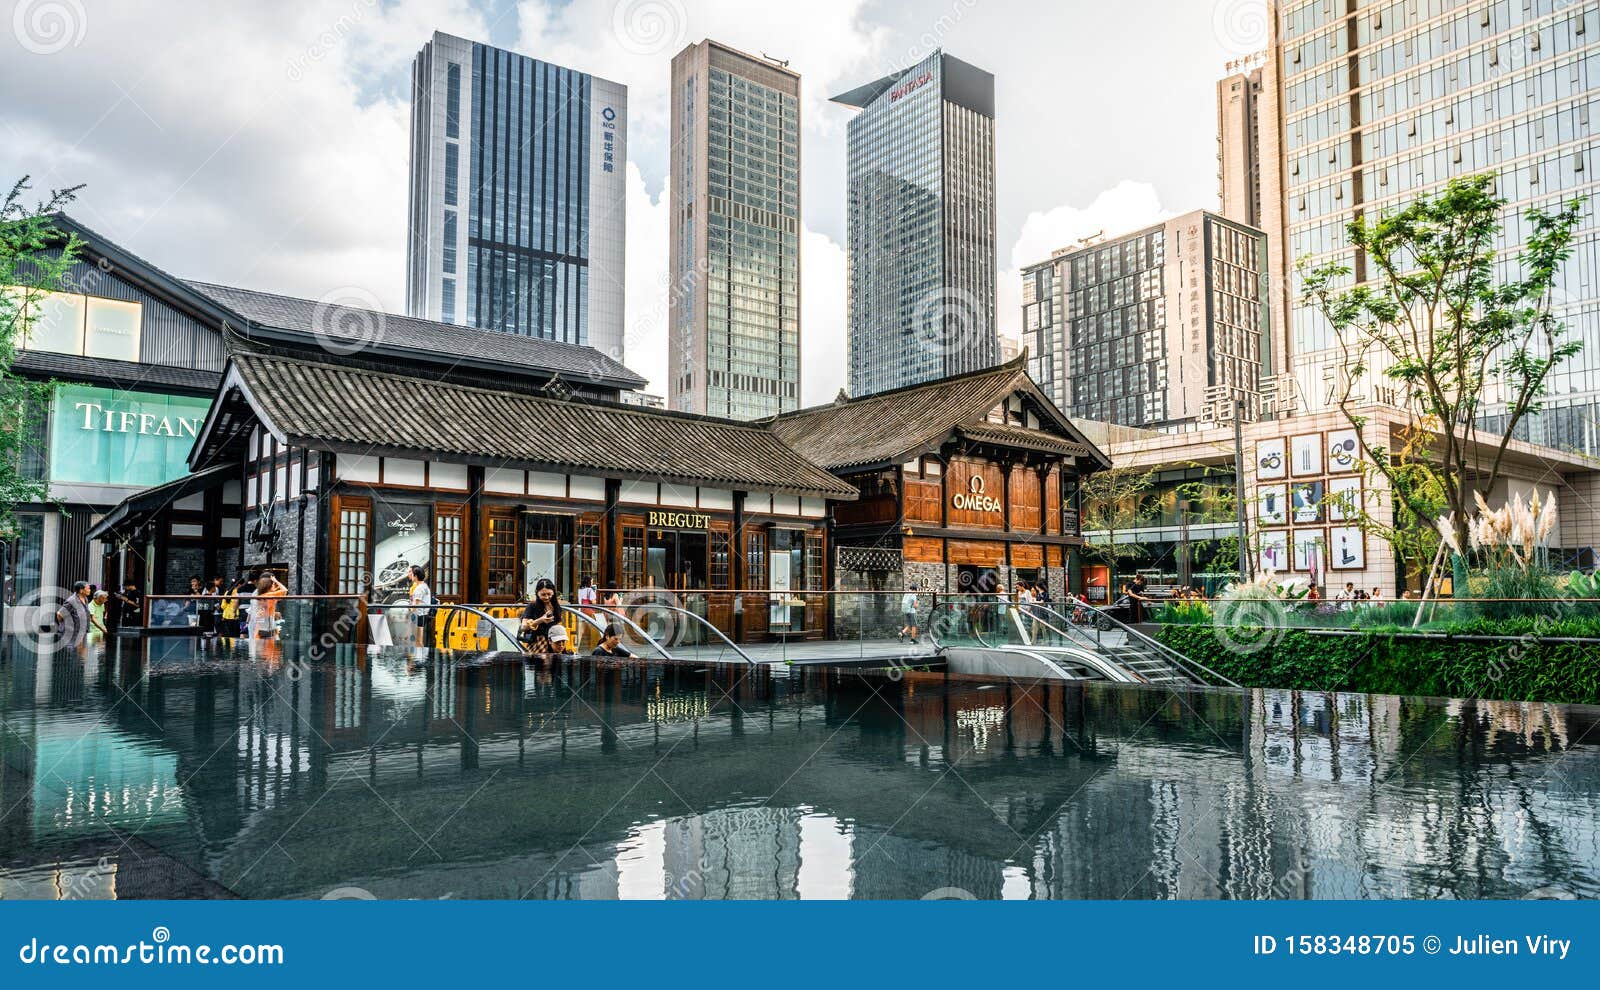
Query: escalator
{"x": 1030, "y": 640}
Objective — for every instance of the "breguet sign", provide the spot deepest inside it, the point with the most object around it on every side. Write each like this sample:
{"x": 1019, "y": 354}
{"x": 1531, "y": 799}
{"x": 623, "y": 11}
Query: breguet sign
{"x": 679, "y": 520}
{"x": 136, "y": 439}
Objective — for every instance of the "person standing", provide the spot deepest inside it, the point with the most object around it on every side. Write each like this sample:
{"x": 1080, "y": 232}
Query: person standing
{"x": 908, "y": 611}
{"x": 540, "y": 619}
{"x": 1136, "y": 597}
{"x": 130, "y": 607}
{"x": 72, "y": 617}
{"x": 228, "y": 610}
{"x": 97, "y": 615}
{"x": 264, "y": 606}
{"x": 421, "y": 599}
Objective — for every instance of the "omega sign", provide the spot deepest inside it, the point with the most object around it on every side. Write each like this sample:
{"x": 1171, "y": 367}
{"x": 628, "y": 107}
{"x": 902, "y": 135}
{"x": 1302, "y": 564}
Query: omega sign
{"x": 974, "y": 498}
{"x": 910, "y": 86}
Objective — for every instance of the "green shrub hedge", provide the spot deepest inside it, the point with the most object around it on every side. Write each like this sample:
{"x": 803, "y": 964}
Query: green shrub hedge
{"x": 1528, "y": 669}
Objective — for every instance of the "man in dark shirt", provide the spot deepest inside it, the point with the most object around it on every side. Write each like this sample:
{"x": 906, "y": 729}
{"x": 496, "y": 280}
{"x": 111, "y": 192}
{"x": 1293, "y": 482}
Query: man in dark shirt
{"x": 72, "y": 618}
{"x": 129, "y": 611}
{"x": 611, "y": 644}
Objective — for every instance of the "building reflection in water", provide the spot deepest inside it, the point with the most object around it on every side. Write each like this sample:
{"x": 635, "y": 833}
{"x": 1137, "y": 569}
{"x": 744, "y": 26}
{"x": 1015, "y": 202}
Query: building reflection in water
{"x": 157, "y": 770}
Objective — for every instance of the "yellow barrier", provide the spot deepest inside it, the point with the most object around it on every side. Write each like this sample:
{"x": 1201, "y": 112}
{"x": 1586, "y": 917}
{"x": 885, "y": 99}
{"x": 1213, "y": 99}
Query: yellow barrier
{"x": 453, "y": 630}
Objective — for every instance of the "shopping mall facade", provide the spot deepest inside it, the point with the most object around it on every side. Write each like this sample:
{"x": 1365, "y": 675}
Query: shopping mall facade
{"x": 335, "y": 446}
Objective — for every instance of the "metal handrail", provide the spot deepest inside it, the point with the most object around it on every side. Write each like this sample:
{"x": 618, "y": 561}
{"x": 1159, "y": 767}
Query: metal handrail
{"x": 494, "y": 624}
{"x": 1185, "y": 664}
{"x": 933, "y": 627}
{"x": 1072, "y": 630}
{"x": 631, "y": 625}
{"x": 700, "y": 619}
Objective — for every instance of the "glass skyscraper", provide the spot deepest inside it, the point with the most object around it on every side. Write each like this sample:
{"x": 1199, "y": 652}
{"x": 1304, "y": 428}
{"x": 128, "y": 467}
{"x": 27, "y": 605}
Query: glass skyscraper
{"x": 921, "y": 225}
{"x": 734, "y": 303}
{"x": 518, "y": 185}
{"x": 1385, "y": 101}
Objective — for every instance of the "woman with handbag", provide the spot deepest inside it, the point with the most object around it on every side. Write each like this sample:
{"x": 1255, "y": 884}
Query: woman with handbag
{"x": 543, "y": 615}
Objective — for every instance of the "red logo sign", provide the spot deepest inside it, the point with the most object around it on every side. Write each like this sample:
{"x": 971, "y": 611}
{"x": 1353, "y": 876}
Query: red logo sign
{"x": 910, "y": 86}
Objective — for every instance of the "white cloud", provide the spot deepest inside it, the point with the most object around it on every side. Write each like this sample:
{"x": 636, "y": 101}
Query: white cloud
{"x": 1122, "y": 209}
{"x": 645, "y": 343}
{"x": 633, "y": 42}
{"x": 824, "y": 362}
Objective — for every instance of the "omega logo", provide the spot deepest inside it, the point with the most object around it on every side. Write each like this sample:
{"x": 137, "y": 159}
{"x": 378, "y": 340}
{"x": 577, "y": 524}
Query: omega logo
{"x": 974, "y": 498}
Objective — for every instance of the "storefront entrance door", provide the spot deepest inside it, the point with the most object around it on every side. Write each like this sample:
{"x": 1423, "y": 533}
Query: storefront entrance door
{"x": 538, "y": 561}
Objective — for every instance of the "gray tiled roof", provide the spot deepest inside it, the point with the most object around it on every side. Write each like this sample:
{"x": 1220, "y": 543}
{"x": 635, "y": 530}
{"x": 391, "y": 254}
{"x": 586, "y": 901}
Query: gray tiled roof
{"x": 125, "y": 375}
{"x": 335, "y": 407}
{"x": 888, "y": 427}
{"x": 349, "y": 328}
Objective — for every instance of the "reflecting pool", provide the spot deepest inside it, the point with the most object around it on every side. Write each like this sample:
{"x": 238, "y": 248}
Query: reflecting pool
{"x": 161, "y": 769}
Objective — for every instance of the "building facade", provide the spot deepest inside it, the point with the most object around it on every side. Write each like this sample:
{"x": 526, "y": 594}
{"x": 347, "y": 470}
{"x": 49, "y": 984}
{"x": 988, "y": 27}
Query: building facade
{"x": 1155, "y": 328}
{"x": 1381, "y": 103}
{"x": 1314, "y": 510}
{"x": 965, "y": 486}
{"x": 921, "y": 225}
{"x": 734, "y": 311}
{"x": 1240, "y": 105}
{"x": 518, "y": 187}
{"x": 135, "y": 356}
{"x": 960, "y": 485}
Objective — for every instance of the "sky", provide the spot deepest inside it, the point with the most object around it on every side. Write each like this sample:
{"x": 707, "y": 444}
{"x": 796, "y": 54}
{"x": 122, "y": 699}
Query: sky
{"x": 264, "y": 144}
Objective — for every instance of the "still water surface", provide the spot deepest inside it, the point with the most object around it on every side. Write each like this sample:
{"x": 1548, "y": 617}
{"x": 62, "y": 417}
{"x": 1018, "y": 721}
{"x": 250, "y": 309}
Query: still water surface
{"x": 159, "y": 770}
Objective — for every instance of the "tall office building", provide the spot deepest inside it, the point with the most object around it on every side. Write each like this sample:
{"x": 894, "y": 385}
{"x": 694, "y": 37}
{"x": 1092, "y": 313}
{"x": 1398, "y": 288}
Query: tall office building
{"x": 1250, "y": 175}
{"x": 1154, "y": 328}
{"x": 1239, "y": 122}
{"x": 733, "y": 337}
{"x": 1381, "y": 103}
{"x": 921, "y": 225}
{"x": 518, "y": 186}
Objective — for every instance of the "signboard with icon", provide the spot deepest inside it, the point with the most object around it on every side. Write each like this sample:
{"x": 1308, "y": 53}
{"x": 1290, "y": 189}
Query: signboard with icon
{"x": 403, "y": 532}
{"x": 1348, "y": 548}
{"x": 1343, "y": 451}
{"x": 1308, "y": 554}
{"x": 1305, "y": 501}
{"x": 1305, "y": 455}
{"x": 1272, "y": 459}
{"x": 1344, "y": 499}
{"x": 1272, "y": 505}
{"x": 1274, "y": 550}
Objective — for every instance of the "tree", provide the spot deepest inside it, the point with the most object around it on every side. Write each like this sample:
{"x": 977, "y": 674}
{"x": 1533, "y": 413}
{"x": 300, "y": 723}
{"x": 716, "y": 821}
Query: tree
{"x": 1435, "y": 319}
{"x": 1114, "y": 500}
{"x": 35, "y": 259}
